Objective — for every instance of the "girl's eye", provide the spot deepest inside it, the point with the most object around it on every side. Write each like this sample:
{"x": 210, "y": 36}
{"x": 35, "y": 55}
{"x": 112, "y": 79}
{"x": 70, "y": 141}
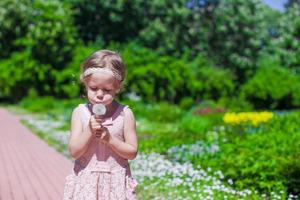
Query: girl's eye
{"x": 93, "y": 89}
{"x": 106, "y": 91}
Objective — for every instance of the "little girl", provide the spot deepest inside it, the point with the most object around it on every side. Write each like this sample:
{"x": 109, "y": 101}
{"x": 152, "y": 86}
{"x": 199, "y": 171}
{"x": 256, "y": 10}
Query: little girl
{"x": 102, "y": 145}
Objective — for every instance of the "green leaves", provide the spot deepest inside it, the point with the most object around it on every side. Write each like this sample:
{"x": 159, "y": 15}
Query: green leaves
{"x": 165, "y": 78}
{"x": 237, "y": 38}
{"x": 19, "y": 73}
{"x": 51, "y": 34}
{"x": 14, "y": 17}
{"x": 288, "y": 41}
{"x": 273, "y": 87}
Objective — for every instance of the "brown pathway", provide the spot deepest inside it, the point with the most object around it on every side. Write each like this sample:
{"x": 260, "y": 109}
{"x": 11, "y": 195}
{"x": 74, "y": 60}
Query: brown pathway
{"x": 29, "y": 168}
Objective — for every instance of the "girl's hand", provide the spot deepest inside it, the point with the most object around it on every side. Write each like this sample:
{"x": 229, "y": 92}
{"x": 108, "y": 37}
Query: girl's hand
{"x": 95, "y": 125}
{"x": 105, "y": 135}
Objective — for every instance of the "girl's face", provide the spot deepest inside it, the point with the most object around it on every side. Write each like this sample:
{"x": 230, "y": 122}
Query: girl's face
{"x": 101, "y": 88}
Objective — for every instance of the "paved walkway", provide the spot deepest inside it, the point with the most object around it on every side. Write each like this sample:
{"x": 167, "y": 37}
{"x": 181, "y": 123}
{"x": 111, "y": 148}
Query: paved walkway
{"x": 29, "y": 168}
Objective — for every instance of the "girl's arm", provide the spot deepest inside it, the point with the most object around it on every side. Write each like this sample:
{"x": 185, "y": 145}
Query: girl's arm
{"x": 129, "y": 148}
{"x": 80, "y": 136}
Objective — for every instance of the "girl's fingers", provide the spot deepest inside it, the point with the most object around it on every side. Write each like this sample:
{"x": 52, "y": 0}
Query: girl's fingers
{"x": 97, "y": 127}
{"x": 98, "y": 134}
{"x": 98, "y": 120}
{"x": 103, "y": 134}
{"x": 96, "y": 124}
{"x": 97, "y": 117}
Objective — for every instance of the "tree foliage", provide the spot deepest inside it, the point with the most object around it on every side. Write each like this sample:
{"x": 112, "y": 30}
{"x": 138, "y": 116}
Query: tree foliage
{"x": 184, "y": 50}
{"x": 106, "y": 21}
{"x": 291, "y": 3}
{"x": 14, "y": 17}
{"x": 287, "y": 45}
{"x": 50, "y": 35}
{"x": 238, "y": 35}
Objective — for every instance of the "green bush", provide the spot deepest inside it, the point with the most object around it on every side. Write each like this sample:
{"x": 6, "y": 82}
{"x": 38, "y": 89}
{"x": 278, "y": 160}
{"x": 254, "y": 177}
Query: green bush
{"x": 162, "y": 112}
{"x": 236, "y": 39}
{"x": 273, "y": 87}
{"x": 148, "y": 22}
{"x": 37, "y": 40}
{"x": 287, "y": 47}
{"x": 106, "y": 21}
{"x": 195, "y": 125}
{"x": 235, "y": 103}
{"x": 15, "y": 20}
{"x": 211, "y": 82}
{"x": 216, "y": 83}
{"x": 263, "y": 157}
{"x": 166, "y": 78}
{"x": 51, "y": 34}
{"x": 19, "y": 73}
{"x": 288, "y": 124}
{"x": 186, "y": 103}
{"x": 67, "y": 81}
{"x": 154, "y": 77}
{"x": 163, "y": 17}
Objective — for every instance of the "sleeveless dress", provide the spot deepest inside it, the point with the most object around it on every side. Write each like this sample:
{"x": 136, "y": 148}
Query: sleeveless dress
{"x": 100, "y": 173}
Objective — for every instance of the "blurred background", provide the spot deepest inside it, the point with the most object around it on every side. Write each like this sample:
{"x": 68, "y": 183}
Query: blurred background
{"x": 214, "y": 85}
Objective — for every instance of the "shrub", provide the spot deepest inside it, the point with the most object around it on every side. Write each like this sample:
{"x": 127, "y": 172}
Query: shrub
{"x": 273, "y": 87}
{"x": 19, "y": 73}
{"x": 14, "y": 17}
{"x": 162, "y": 112}
{"x": 165, "y": 78}
{"x": 67, "y": 81}
{"x": 210, "y": 82}
{"x": 42, "y": 36}
{"x": 51, "y": 35}
{"x": 195, "y": 125}
{"x": 103, "y": 20}
{"x": 261, "y": 157}
{"x": 186, "y": 103}
{"x": 154, "y": 77}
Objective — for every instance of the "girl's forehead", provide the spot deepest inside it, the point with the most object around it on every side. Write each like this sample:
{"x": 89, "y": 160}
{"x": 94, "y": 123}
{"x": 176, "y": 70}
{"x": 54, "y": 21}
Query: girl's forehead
{"x": 100, "y": 79}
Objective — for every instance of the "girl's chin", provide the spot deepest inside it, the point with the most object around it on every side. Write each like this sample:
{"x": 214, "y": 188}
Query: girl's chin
{"x": 104, "y": 103}
{"x": 93, "y": 103}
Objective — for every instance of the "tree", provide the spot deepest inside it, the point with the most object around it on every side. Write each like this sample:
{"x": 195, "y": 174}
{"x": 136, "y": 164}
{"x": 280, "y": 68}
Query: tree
{"x": 287, "y": 44}
{"x": 51, "y": 34}
{"x": 14, "y": 17}
{"x": 185, "y": 28}
{"x": 290, "y": 3}
{"x": 105, "y": 21}
{"x": 238, "y": 36}
{"x": 37, "y": 52}
{"x": 168, "y": 29}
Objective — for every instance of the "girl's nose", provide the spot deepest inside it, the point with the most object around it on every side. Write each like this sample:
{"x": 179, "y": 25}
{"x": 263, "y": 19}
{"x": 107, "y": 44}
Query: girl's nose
{"x": 99, "y": 93}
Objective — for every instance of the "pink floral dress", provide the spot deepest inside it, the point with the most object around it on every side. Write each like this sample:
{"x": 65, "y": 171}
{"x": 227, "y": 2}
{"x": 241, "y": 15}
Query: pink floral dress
{"x": 101, "y": 173}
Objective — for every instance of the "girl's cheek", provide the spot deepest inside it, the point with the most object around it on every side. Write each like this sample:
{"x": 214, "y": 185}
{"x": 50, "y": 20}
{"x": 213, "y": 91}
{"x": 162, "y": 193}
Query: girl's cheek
{"x": 109, "y": 97}
{"x": 90, "y": 94}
